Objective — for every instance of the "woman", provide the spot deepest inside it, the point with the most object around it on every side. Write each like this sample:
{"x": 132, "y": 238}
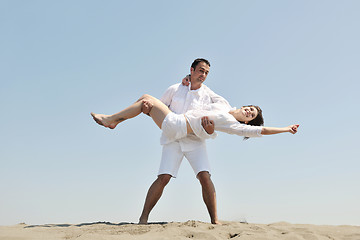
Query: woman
{"x": 199, "y": 122}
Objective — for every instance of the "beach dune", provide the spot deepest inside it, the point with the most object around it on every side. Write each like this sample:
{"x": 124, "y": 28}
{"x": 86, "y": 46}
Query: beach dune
{"x": 177, "y": 231}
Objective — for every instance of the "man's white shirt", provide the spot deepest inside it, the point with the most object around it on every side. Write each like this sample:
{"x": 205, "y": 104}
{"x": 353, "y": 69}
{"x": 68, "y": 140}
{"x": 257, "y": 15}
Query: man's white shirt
{"x": 180, "y": 99}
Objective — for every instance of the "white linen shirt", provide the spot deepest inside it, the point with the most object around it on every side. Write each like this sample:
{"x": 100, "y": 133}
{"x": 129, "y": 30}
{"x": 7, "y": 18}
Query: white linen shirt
{"x": 180, "y": 99}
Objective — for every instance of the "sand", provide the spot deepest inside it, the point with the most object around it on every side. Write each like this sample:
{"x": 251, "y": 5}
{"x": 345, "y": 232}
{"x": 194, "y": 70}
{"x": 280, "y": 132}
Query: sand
{"x": 177, "y": 231}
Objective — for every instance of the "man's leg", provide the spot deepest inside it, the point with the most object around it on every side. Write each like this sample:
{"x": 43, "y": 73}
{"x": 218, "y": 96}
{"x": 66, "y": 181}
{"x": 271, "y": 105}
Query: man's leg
{"x": 153, "y": 196}
{"x": 199, "y": 161}
{"x": 209, "y": 195}
{"x": 170, "y": 162}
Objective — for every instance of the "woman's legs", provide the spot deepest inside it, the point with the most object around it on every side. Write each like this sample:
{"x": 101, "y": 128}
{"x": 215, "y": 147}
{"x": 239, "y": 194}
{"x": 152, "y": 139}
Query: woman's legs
{"x": 158, "y": 113}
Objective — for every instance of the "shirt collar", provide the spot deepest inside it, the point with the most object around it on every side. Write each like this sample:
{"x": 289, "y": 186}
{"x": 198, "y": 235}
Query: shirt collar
{"x": 195, "y": 91}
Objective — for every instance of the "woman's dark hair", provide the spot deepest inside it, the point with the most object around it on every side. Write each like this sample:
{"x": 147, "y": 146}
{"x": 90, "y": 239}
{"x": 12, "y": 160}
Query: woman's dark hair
{"x": 199, "y": 60}
{"x": 257, "y": 121}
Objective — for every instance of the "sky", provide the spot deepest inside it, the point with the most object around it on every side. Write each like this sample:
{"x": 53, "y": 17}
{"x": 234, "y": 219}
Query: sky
{"x": 60, "y": 60}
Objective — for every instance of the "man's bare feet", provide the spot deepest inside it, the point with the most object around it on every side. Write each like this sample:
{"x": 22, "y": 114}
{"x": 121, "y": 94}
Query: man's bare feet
{"x": 216, "y": 222}
{"x": 143, "y": 221}
{"x": 104, "y": 120}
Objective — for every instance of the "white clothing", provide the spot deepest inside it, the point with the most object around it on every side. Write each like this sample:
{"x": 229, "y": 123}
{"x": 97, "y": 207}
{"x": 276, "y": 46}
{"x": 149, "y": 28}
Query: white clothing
{"x": 172, "y": 156}
{"x": 174, "y": 126}
{"x": 223, "y": 121}
{"x": 180, "y": 99}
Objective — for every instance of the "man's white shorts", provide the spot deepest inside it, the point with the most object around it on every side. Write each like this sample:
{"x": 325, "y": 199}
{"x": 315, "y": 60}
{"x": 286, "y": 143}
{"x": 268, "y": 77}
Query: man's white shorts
{"x": 172, "y": 156}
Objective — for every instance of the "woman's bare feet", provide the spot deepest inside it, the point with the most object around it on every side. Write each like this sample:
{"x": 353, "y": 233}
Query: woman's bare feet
{"x": 104, "y": 120}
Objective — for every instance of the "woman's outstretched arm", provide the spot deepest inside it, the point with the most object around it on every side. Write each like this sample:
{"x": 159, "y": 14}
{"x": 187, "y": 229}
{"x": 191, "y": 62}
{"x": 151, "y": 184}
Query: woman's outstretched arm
{"x": 273, "y": 130}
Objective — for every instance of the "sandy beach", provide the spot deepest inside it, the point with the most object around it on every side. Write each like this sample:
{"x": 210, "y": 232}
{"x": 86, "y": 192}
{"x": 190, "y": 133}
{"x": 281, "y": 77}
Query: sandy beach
{"x": 177, "y": 231}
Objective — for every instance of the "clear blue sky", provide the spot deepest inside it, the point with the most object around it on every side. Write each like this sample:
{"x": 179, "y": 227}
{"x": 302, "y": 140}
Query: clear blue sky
{"x": 61, "y": 60}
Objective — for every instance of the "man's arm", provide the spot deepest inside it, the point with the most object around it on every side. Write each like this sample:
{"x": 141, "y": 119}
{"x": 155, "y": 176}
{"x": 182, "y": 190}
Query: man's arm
{"x": 146, "y": 107}
{"x": 208, "y": 125}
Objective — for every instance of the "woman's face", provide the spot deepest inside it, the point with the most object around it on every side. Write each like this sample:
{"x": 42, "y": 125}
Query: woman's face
{"x": 246, "y": 114}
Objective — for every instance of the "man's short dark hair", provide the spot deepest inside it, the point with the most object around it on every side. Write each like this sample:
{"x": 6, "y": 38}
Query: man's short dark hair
{"x": 199, "y": 60}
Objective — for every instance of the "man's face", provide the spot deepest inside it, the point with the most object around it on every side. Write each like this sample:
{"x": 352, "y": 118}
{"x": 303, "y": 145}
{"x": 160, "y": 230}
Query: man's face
{"x": 199, "y": 74}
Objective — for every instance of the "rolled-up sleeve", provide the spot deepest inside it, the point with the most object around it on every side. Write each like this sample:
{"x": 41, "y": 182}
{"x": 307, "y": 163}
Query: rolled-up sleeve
{"x": 244, "y": 130}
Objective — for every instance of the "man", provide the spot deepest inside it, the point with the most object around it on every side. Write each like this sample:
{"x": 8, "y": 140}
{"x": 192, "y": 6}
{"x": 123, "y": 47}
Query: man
{"x": 181, "y": 98}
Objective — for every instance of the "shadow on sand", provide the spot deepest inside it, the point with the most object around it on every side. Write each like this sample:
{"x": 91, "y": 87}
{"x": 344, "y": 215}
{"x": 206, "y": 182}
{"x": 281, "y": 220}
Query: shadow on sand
{"x": 90, "y": 224}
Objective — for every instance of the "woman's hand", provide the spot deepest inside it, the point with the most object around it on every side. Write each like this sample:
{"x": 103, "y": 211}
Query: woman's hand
{"x": 293, "y": 128}
{"x": 186, "y": 80}
{"x": 208, "y": 125}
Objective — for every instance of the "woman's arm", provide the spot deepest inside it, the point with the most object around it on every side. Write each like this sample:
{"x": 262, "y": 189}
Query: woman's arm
{"x": 186, "y": 80}
{"x": 273, "y": 130}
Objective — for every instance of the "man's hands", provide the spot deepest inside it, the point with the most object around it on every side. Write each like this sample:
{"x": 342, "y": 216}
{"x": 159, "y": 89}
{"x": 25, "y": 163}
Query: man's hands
{"x": 208, "y": 125}
{"x": 146, "y": 107}
{"x": 186, "y": 80}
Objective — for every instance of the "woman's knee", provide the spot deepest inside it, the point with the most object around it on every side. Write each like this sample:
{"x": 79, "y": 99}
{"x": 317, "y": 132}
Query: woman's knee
{"x": 146, "y": 97}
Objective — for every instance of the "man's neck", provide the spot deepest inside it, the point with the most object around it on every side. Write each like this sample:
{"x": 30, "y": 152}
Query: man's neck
{"x": 195, "y": 86}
